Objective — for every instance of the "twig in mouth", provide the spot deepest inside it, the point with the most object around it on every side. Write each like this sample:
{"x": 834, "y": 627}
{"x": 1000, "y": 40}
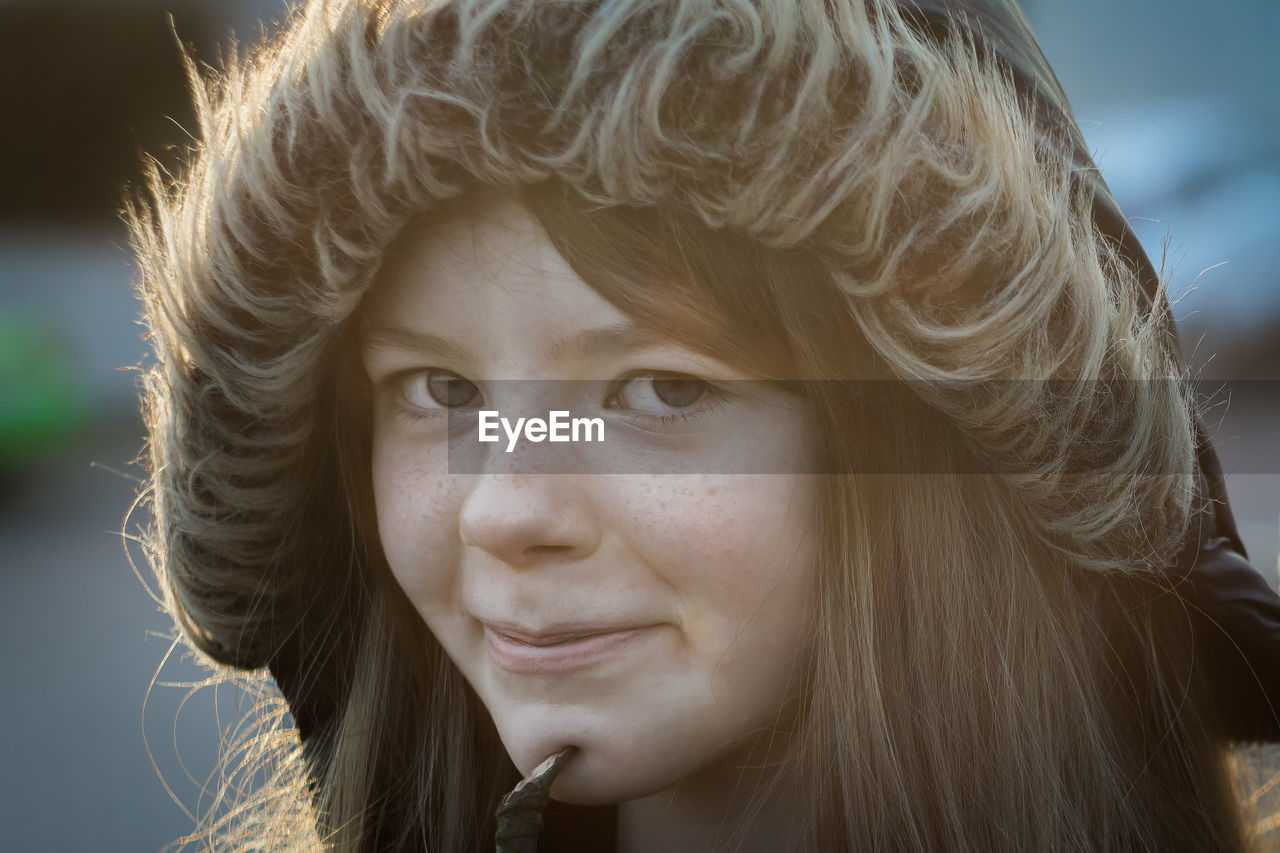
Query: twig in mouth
{"x": 520, "y": 812}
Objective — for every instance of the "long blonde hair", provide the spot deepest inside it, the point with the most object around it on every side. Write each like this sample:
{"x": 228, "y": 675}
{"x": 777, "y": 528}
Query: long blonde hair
{"x": 1000, "y": 660}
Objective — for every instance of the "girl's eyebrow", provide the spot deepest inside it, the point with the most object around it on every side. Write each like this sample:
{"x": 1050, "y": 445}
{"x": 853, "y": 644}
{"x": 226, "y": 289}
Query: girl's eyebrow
{"x": 411, "y": 340}
{"x": 585, "y": 345}
{"x": 619, "y": 338}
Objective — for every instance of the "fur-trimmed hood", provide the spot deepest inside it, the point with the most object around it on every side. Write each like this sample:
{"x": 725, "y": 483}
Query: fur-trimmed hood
{"x": 923, "y": 152}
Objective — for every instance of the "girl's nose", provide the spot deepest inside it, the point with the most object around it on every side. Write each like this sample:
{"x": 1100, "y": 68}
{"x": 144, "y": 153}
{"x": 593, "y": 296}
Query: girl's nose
{"x": 523, "y": 519}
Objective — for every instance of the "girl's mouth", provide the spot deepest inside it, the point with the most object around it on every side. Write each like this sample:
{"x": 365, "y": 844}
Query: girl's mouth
{"x": 563, "y": 650}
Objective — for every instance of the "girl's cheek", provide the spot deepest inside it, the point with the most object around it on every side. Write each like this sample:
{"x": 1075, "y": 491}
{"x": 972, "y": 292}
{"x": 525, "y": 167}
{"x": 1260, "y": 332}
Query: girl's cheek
{"x": 707, "y": 531}
{"x": 414, "y": 505}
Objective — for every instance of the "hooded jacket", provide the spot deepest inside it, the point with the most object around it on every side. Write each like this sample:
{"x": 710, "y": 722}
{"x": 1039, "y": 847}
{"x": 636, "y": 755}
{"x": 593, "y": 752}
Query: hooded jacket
{"x": 1239, "y": 618}
{"x": 745, "y": 132}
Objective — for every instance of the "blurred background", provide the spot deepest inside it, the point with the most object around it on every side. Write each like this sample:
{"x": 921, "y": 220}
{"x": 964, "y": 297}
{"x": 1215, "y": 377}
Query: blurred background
{"x": 1178, "y": 103}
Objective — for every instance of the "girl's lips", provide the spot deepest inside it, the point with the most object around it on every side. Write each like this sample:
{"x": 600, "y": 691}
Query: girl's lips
{"x": 552, "y": 653}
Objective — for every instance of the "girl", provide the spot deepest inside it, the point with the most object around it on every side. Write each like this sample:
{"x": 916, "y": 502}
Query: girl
{"x": 901, "y": 533}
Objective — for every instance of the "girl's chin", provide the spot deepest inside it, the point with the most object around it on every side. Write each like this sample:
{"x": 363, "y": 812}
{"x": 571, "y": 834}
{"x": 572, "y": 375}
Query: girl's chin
{"x": 597, "y": 774}
{"x": 593, "y": 780}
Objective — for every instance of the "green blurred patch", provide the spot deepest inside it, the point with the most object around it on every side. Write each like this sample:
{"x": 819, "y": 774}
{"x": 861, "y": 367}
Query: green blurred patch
{"x": 42, "y": 405}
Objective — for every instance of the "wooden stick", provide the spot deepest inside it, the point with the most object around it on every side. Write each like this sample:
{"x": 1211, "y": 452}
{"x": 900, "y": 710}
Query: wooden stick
{"x": 520, "y": 812}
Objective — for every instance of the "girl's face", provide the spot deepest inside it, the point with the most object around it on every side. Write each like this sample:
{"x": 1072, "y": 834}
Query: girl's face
{"x": 656, "y": 621}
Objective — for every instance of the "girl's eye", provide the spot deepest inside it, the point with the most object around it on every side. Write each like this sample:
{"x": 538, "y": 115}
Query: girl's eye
{"x": 662, "y": 394}
{"x": 438, "y": 389}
